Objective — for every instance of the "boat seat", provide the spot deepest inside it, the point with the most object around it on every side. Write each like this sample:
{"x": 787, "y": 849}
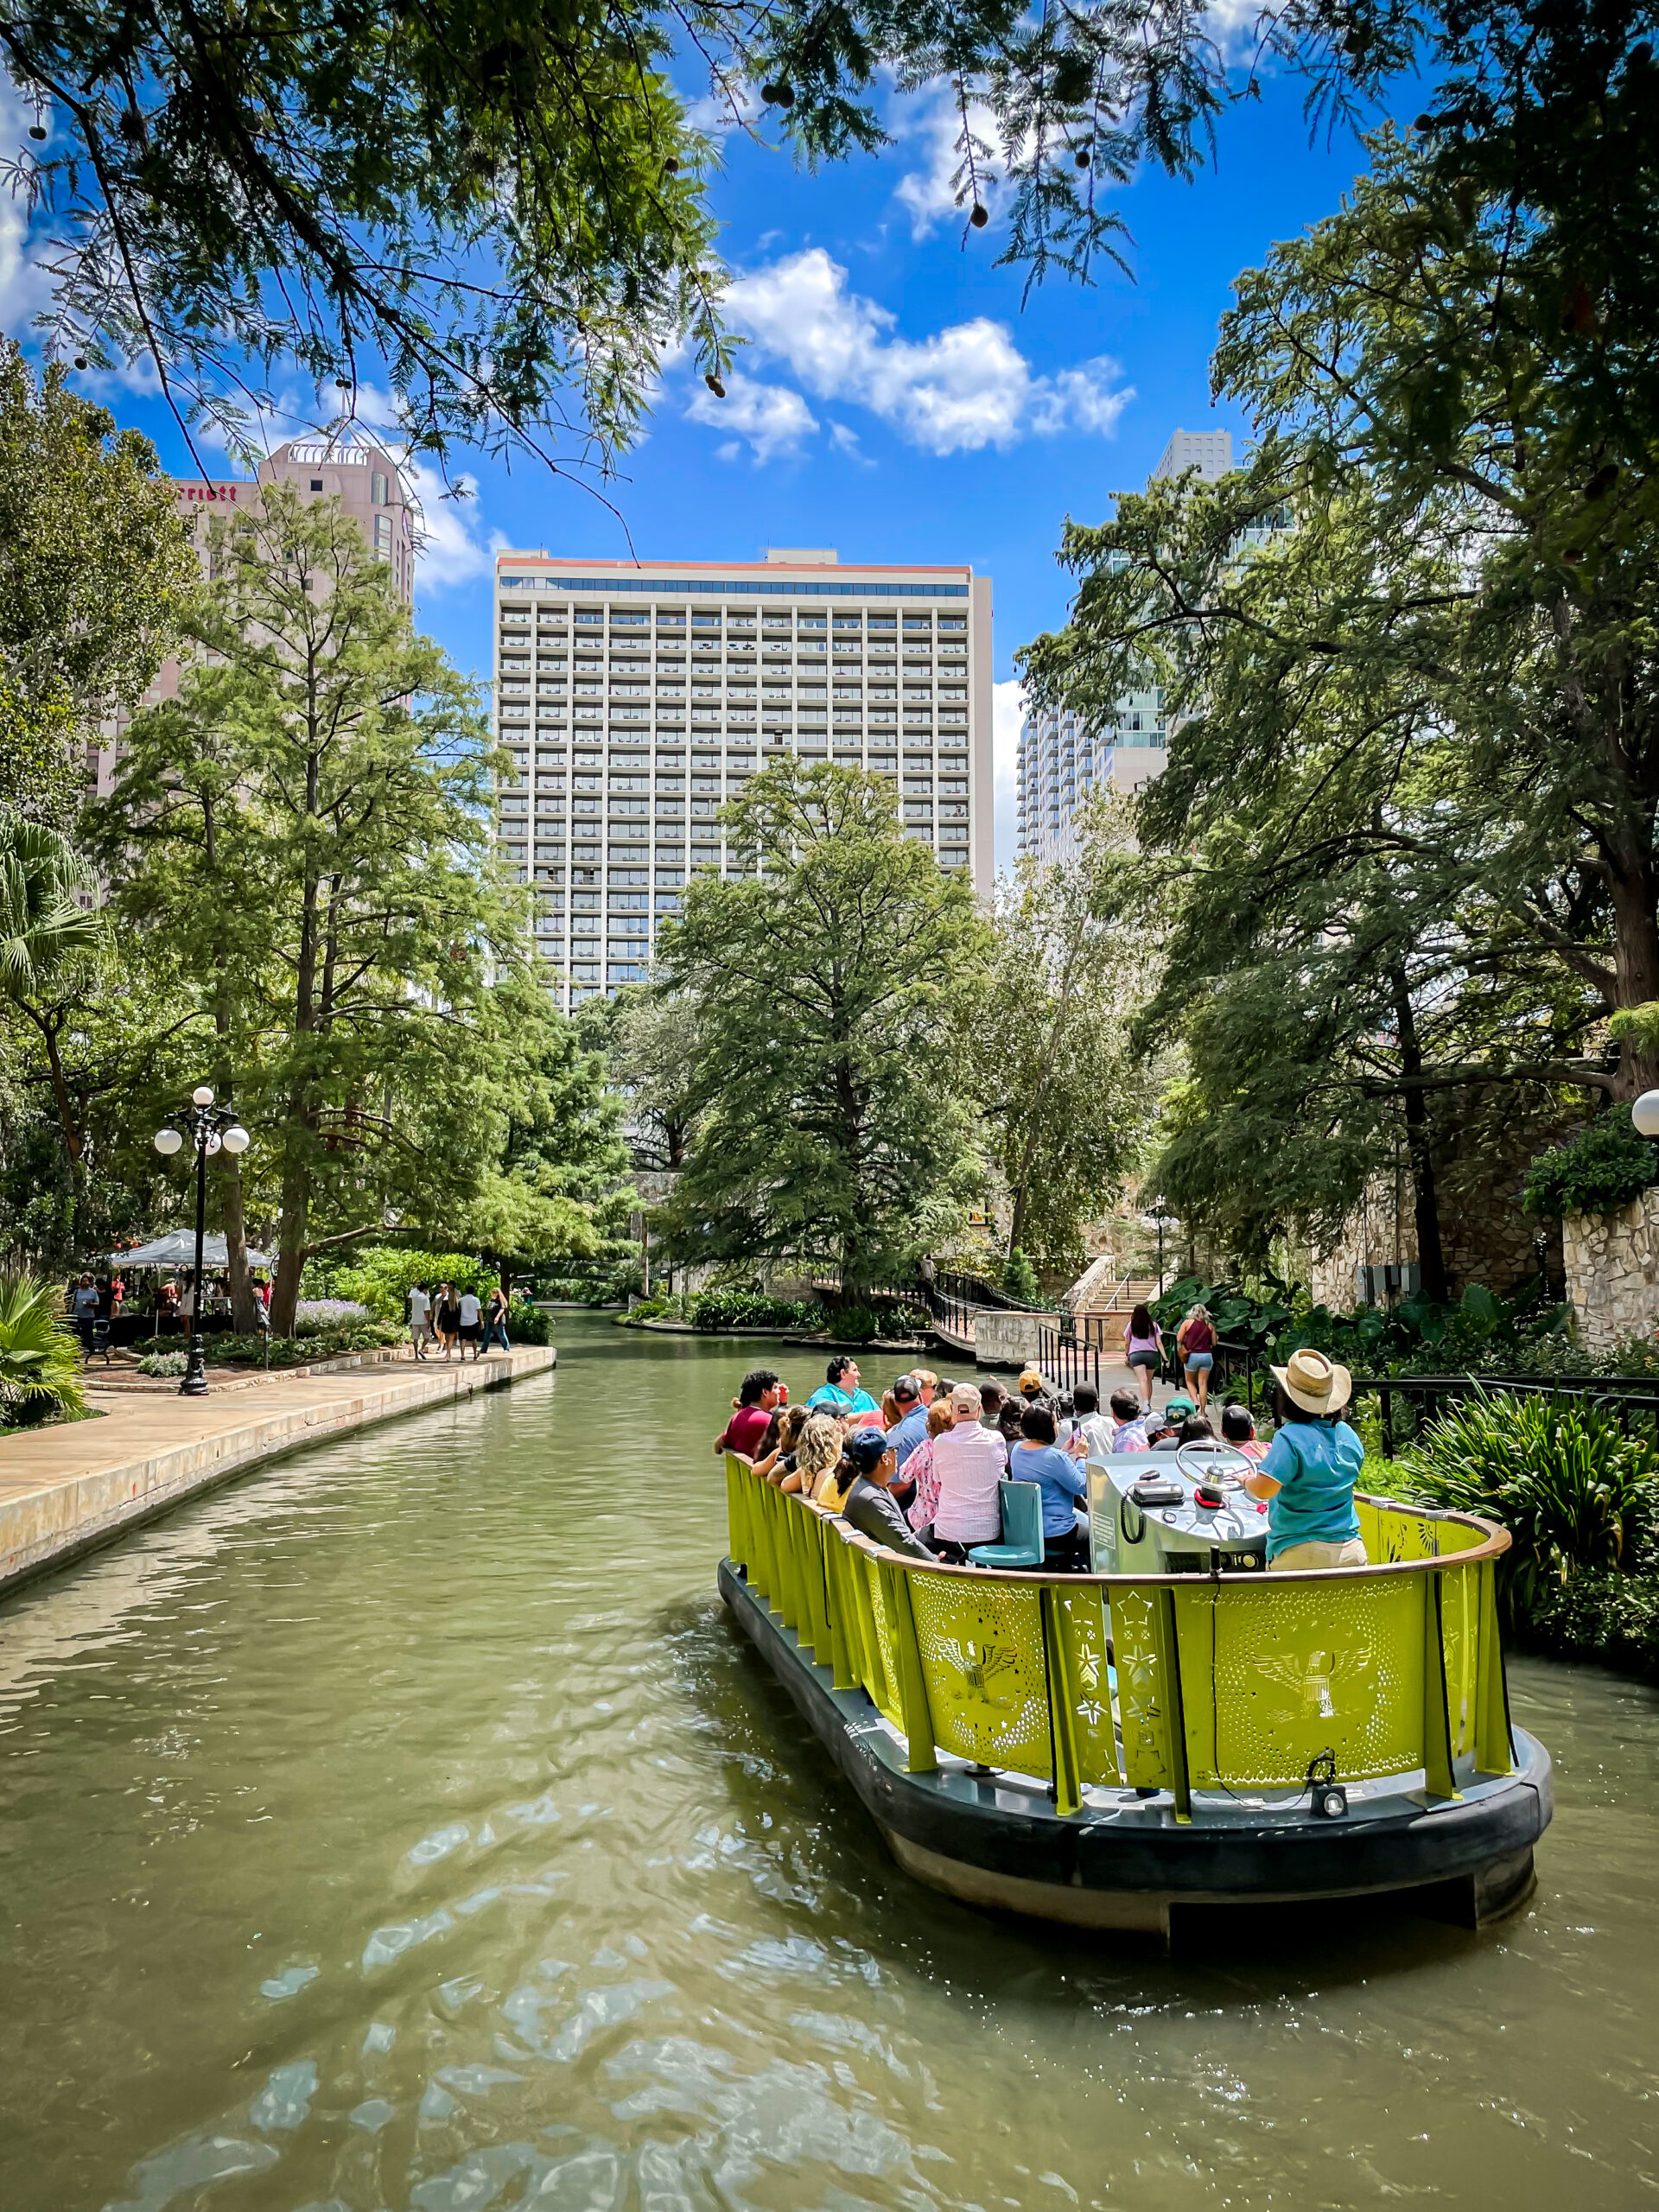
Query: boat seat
{"x": 1022, "y": 1529}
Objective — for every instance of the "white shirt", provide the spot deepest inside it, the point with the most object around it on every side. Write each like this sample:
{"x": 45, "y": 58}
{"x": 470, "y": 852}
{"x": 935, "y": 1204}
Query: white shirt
{"x": 419, "y": 1307}
{"x": 969, "y": 1462}
{"x": 470, "y": 1310}
{"x": 1094, "y": 1432}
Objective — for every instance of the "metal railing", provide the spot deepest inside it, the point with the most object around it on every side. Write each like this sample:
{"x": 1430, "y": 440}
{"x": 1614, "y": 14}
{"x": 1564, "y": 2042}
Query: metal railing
{"x": 1425, "y": 1397}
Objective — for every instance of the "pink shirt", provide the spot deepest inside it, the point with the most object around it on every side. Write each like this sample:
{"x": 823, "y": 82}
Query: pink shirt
{"x": 970, "y": 1462}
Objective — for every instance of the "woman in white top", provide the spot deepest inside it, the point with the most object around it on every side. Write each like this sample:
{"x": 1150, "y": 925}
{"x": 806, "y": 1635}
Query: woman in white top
{"x": 970, "y": 1462}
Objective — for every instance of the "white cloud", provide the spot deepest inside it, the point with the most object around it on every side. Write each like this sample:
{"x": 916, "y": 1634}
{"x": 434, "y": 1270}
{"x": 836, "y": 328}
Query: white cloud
{"x": 929, "y": 193}
{"x": 967, "y": 387}
{"x": 1007, "y": 712}
{"x": 448, "y": 549}
{"x": 845, "y": 440}
{"x": 772, "y": 419}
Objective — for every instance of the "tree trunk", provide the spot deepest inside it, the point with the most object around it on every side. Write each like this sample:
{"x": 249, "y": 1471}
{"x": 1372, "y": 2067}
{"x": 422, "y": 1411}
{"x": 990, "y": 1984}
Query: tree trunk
{"x": 1425, "y": 1212}
{"x": 1636, "y": 966}
{"x": 296, "y": 1224}
{"x": 245, "y": 1317}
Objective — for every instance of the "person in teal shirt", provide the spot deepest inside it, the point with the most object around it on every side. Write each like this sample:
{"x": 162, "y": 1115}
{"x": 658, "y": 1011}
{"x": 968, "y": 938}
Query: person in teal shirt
{"x": 839, "y": 1393}
{"x": 1310, "y": 1470}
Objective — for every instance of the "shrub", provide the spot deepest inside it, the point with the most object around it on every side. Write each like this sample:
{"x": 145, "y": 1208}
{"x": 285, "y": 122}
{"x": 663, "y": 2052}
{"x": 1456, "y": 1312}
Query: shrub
{"x": 528, "y": 1324}
{"x": 297, "y": 1351}
{"x": 1019, "y": 1279}
{"x": 1610, "y": 1617}
{"x": 315, "y": 1317}
{"x": 751, "y": 1309}
{"x": 1569, "y": 1487}
{"x": 40, "y": 1355}
{"x": 1599, "y": 1171}
{"x": 162, "y": 1363}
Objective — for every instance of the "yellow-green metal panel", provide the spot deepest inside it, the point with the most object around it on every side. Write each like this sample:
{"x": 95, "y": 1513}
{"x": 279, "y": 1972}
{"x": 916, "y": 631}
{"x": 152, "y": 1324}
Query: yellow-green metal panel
{"x": 1493, "y": 1749}
{"x": 1461, "y": 1654}
{"x": 1393, "y": 1533}
{"x": 1148, "y": 1688}
{"x": 981, "y": 1640}
{"x": 920, "y": 1756}
{"x": 1081, "y": 1618}
{"x": 879, "y": 1619}
{"x": 1436, "y": 1727}
{"x": 1274, "y": 1673}
{"x": 1062, "y": 1705}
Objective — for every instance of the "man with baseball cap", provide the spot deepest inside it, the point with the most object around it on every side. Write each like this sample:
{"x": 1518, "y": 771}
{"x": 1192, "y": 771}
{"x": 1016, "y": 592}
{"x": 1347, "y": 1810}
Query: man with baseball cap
{"x": 1311, "y": 1467}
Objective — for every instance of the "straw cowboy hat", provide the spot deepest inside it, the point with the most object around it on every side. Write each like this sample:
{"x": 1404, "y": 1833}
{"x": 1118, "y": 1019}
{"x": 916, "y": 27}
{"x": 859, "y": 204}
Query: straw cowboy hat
{"x": 1315, "y": 1383}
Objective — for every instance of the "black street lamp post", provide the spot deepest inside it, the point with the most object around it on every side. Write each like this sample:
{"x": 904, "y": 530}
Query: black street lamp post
{"x": 211, "y": 1129}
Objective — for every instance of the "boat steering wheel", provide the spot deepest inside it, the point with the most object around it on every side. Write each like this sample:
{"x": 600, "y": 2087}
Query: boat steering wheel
{"x": 1213, "y": 1478}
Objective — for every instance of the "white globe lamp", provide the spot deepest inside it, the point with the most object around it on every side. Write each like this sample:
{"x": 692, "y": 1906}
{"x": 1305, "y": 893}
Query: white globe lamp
{"x": 202, "y": 1095}
{"x": 1645, "y": 1114}
{"x": 168, "y": 1141}
{"x": 237, "y": 1139}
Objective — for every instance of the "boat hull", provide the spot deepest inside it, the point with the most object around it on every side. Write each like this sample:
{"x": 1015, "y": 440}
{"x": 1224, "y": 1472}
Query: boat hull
{"x": 1125, "y": 1862}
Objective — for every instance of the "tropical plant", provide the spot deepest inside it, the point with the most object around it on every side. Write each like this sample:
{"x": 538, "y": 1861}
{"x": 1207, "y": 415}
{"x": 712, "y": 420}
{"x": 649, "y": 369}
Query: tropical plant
{"x": 753, "y": 1309}
{"x": 40, "y": 1354}
{"x": 1019, "y": 1279}
{"x": 1567, "y": 1483}
{"x": 1599, "y": 1170}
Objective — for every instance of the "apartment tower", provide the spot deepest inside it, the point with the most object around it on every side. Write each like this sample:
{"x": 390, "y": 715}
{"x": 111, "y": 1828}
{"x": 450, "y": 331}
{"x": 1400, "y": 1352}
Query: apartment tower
{"x": 1061, "y": 760}
{"x": 362, "y": 476}
{"x": 637, "y": 698}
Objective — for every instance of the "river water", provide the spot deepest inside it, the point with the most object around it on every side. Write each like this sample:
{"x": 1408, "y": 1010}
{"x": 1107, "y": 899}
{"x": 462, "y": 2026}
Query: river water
{"x": 406, "y": 1827}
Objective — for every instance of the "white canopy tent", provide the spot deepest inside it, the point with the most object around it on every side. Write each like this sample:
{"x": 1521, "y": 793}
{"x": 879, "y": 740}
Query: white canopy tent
{"x": 178, "y": 1250}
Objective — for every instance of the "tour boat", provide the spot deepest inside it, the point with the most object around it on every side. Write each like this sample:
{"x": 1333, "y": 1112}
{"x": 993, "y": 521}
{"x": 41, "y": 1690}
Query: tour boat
{"x": 1184, "y": 1731}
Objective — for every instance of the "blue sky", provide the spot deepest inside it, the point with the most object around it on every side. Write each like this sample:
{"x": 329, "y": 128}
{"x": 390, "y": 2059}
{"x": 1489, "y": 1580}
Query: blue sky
{"x": 898, "y": 402}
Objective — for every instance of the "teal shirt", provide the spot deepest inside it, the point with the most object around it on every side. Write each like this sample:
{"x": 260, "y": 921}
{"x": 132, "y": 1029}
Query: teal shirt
{"x": 829, "y": 1398}
{"x": 1317, "y": 1464}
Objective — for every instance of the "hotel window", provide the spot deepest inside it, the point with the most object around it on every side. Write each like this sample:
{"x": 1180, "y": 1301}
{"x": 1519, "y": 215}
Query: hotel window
{"x": 377, "y": 488}
{"x": 383, "y": 536}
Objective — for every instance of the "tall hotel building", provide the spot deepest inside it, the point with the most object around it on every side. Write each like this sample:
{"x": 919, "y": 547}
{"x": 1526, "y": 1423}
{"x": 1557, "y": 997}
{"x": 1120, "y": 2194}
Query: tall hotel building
{"x": 360, "y": 474}
{"x": 1061, "y": 760}
{"x": 637, "y": 698}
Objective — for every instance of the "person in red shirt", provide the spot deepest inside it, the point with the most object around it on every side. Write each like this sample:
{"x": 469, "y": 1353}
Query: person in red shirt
{"x": 745, "y": 1432}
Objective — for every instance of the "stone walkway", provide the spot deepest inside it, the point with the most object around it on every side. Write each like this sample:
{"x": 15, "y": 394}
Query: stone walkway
{"x": 66, "y": 1489}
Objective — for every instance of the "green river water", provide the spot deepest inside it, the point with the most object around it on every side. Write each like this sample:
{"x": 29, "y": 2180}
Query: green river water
{"x": 406, "y": 1827}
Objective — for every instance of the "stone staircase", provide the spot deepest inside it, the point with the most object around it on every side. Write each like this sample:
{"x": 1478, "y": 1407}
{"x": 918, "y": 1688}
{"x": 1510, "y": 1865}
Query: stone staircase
{"x": 1102, "y": 1300}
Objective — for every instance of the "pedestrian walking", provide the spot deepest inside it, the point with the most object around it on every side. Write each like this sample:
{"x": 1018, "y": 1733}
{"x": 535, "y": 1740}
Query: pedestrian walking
{"x": 495, "y": 1320}
{"x": 448, "y": 1317}
{"x": 420, "y": 1320}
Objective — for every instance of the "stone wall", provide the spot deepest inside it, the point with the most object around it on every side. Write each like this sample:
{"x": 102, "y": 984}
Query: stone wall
{"x": 1612, "y": 1271}
{"x": 1007, "y": 1339}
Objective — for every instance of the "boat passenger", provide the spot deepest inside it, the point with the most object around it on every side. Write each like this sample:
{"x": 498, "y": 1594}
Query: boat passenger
{"x": 1238, "y": 1429}
{"x": 859, "y": 1494}
{"x": 1130, "y": 1434}
{"x": 817, "y": 1455}
{"x": 839, "y": 1393}
{"x": 1091, "y": 1435}
{"x": 777, "y": 1457}
{"x": 927, "y": 1382}
{"x": 1311, "y": 1468}
{"x": 1038, "y": 1458}
{"x": 971, "y": 1464}
{"x": 910, "y": 1426}
{"x": 751, "y": 1417}
{"x": 924, "y": 1474}
{"x": 1143, "y": 1350}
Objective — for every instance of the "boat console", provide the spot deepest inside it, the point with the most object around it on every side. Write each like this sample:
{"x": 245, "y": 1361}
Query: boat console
{"x": 1184, "y": 1512}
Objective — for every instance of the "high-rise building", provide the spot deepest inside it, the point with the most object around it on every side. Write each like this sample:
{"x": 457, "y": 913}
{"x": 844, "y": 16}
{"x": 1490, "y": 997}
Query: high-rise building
{"x": 1061, "y": 757}
{"x": 362, "y": 476}
{"x": 637, "y": 698}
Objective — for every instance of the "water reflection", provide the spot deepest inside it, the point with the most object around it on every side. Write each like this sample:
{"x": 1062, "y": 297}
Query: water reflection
{"x": 407, "y": 1829}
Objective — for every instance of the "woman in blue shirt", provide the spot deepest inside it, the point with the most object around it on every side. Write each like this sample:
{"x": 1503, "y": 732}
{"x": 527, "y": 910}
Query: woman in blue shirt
{"x": 1062, "y": 1480}
{"x": 1311, "y": 1468}
{"x": 839, "y": 1393}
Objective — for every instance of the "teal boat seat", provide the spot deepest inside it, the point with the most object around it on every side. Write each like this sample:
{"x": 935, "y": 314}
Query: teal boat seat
{"x": 1022, "y": 1529}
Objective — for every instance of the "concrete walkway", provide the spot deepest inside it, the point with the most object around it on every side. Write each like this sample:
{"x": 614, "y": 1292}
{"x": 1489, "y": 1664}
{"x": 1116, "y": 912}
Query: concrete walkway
{"x": 66, "y": 1489}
